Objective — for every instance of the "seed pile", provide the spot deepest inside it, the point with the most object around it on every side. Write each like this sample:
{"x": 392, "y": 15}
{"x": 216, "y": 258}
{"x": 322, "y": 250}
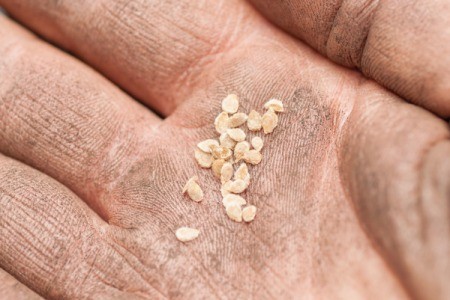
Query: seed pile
{"x": 230, "y": 150}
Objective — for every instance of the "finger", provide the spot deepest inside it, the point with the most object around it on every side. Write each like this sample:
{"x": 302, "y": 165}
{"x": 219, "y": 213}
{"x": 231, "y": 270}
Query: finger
{"x": 156, "y": 50}
{"x": 10, "y": 288}
{"x": 403, "y": 45}
{"x": 62, "y": 118}
{"x": 52, "y": 242}
{"x": 394, "y": 161}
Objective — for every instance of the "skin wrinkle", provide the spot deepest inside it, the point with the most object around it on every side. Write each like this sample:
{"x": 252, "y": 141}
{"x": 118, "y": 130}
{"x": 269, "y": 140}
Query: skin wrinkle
{"x": 378, "y": 244}
{"x": 264, "y": 85}
{"x": 68, "y": 251}
{"x": 372, "y": 14}
{"x": 375, "y": 244}
{"x": 403, "y": 37}
{"x": 353, "y": 52}
{"x": 331, "y": 26}
{"x": 136, "y": 270}
{"x": 85, "y": 161}
{"x": 424, "y": 156}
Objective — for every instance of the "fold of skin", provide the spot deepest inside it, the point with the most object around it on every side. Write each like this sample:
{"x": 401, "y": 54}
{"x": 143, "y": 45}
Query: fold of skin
{"x": 403, "y": 45}
{"x": 352, "y": 194}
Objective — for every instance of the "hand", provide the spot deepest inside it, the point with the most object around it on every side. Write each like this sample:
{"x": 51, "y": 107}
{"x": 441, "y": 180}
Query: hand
{"x": 352, "y": 191}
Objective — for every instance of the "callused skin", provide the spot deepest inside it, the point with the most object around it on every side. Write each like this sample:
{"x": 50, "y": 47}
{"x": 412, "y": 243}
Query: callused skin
{"x": 352, "y": 193}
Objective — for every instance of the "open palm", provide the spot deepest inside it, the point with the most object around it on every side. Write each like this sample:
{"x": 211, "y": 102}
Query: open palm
{"x": 353, "y": 191}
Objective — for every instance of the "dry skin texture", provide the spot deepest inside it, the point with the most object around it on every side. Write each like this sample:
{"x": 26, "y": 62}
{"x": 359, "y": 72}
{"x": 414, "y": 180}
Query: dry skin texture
{"x": 231, "y": 148}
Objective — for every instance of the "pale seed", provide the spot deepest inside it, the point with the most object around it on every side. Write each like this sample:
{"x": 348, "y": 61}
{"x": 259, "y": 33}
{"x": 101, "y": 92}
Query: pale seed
{"x": 221, "y": 152}
{"x": 237, "y": 120}
{"x": 193, "y": 189}
{"x": 195, "y": 192}
{"x": 236, "y": 134}
{"x": 204, "y": 159}
{"x": 226, "y": 173}
{"x": 206, "y": 145}
{"x": 269, "y": 121}
{"x": 249, "y": 213}
{"x": 221, "y": 122}
{"x": 241, "y": 172}
{"x": 230, "y": 104}
{"x": 233, "y": 199}
{"x": 217, "y": 167}
{"x": 257, "y": 143}
{"x": 238, "y": 186}
{"x": 226, "y": 141}
{"x": 225, "y": 189}
{"x": 254, "y": 121}
{"x": 192, "y": 179}
{"x": 234, "y": 212}
{"x": 186, "y": 234}
{"x": 240, "y": 149}
{"x": 252, "y": 157}
{"x": 274, "y": 104}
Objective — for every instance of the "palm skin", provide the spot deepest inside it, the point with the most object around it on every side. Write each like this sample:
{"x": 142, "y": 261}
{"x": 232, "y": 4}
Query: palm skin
{"x": 352, "y": 191}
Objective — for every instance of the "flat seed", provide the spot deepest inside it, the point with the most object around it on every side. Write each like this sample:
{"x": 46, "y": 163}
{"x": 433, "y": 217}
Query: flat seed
{"x": 221, "y": 122}
{"x": 226, "y": 141}
{"x": 204, "y": 159}
{"x": 221, "y": 152}
{"x": 225, "y": 189}
{"x": 233, "y": 199}
{"x": 206, "y": 145}
{"x": 252, "y": 157}
{"x": 254, "y": 121}
{"x": 274, "y": 104}
{"x": 195, "y": 192}
{"x": 234, "y": 212}
{"x": 230, "y": 104}
{"x": 240, "y": 149}
{"x": 257, "y": 143}
{"x": 237, "y": 120}
{"x": 269, "y": 121}
{"x": 238, "y": 186}
{"x": 236, "y": 134}
{"x": 217, "y": 167}
{"x": 226, "y": 173}
{"x": 192, "y": 179}
{"x": 186, "y": 234}
{"x": 241, "y": 172}
{"x": 249, "y": 213}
